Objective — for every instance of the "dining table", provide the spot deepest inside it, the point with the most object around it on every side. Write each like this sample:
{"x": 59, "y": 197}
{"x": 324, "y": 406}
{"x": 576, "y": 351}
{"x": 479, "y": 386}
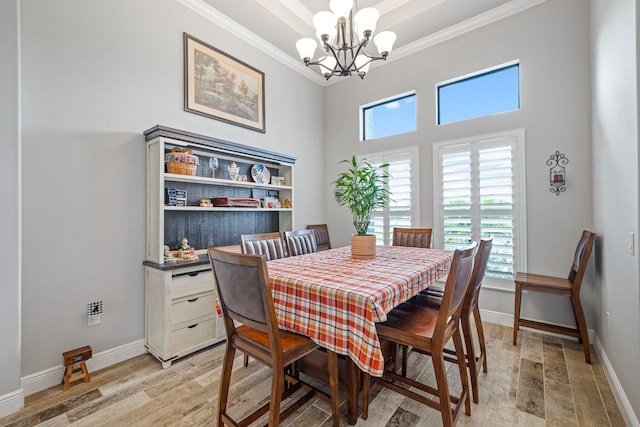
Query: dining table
{"x": 336, "y": 300}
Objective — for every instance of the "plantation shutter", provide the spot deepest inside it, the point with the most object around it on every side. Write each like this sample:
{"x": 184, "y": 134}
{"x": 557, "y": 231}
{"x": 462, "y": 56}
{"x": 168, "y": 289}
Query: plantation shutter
{"x": 476, "y": 197}
{"x": 402, "y": 183}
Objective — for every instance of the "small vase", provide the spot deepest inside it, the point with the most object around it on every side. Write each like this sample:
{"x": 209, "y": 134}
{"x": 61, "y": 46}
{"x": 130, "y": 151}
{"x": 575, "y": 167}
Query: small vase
{"x": 363, "y": 247}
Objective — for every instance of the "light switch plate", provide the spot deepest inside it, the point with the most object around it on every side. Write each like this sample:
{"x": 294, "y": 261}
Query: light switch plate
{"x": 631, "y": 243}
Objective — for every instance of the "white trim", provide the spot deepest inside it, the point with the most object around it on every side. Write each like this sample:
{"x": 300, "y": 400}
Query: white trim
{"x": 489, "y": 17}
{"x": 228, "y": 24}
{"x": 622, "y": 400}
{"x": 510, "y": 8}
{"x": 50, "y": 377}
{"x": 11, "y": 402}
{"x": 477, "y": 73}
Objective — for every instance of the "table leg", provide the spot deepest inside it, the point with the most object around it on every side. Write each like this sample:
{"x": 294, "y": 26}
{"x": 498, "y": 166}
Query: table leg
{"x": 353, "y": 388}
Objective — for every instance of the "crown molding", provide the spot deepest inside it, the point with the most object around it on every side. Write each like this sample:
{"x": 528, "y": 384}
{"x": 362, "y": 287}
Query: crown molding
{"x": 479, "y": 21}
{"x": 228, "y": 24}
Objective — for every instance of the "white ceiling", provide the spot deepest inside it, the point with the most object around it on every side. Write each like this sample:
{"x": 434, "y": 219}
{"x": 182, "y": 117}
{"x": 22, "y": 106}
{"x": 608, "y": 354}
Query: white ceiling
{"x": 276, "y": 25}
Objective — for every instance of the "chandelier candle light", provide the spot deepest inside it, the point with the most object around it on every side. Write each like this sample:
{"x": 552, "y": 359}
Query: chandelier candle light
{"x": 344, "y": 37}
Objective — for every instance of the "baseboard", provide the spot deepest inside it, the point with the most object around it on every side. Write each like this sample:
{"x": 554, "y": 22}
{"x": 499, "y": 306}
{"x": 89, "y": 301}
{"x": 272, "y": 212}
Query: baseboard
{"x": 42, "y": 380}
{"x": 630, "y": 417}
{"x": 505, "y": 319}
{"x": 11, "y": 402}
{"x": 621, "y": 398}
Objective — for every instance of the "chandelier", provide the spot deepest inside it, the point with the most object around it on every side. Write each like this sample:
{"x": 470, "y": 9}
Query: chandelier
{"x": 344, "y": 37}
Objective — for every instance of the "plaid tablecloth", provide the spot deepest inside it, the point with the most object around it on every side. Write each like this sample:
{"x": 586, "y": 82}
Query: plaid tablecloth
{"x": 337, "y": 300}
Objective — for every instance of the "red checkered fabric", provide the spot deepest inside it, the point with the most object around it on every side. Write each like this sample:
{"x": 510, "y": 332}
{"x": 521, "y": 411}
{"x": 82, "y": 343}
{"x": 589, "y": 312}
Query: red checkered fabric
{"x": 337, "y": 300}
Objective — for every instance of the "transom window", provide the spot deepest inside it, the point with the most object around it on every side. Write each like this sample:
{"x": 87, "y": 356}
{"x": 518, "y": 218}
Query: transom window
{"x": 480, "y": 94}
{"x": 388, "y": 117}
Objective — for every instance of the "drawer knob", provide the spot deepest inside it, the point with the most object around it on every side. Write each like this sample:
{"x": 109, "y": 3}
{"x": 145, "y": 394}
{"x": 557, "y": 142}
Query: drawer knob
{"x": 192, "y": 326}
{"x": 193, "y": 299}
{"x": 194, "y": 273}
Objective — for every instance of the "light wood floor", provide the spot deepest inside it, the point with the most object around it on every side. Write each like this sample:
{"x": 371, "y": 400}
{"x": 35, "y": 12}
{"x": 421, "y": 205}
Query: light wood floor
{"x": 541, "y": 381}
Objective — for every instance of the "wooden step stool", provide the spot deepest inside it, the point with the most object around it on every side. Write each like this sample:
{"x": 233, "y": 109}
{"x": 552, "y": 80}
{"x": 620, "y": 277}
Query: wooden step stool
{"x": 74, "y": 360}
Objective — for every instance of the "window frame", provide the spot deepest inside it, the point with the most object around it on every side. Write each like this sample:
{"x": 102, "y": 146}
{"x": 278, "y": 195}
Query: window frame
{"x": 458, "y": 79}
{"x": 519, "y": 211}
{"x": 397, "y": 97}
{"x": 412, "y": 153}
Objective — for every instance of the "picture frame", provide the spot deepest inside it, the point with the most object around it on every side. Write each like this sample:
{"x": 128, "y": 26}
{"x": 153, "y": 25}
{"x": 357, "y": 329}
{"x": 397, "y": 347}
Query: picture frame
{"x": 221, "y": 87}
{"x": 277, "y": 180}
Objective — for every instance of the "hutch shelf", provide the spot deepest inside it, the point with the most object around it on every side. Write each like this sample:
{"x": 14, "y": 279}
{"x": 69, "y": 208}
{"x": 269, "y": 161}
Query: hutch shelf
{"x": 180, "y": 315}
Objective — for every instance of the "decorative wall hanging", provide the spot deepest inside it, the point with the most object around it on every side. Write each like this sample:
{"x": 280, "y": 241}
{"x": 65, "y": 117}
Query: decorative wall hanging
{"x": 222, "y": 87}
{"x": 557, "y": 172}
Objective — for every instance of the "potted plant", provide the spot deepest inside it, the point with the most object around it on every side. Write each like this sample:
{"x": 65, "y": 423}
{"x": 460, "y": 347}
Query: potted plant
{"x": 362, "y": 189}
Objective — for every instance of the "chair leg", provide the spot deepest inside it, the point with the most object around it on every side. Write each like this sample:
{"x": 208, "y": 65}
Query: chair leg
{"x": 457, "y": 342}
{"x": 405, "y": 357}
{"x": 246, "y": 360}
{"x": 481, "y": 341}
{"x": 582, "y": 327}
{"x": 516, "y": 313}
{"x": 277, "y": 387}
{"x": 437, "y": 357}
{"x": 333, "y": 385}
{"x": 225, "y": 382}
{"x": 471, "y": 354}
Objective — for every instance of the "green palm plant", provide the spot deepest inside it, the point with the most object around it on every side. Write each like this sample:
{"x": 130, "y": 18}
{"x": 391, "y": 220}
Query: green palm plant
{"x": 362, "y": 189}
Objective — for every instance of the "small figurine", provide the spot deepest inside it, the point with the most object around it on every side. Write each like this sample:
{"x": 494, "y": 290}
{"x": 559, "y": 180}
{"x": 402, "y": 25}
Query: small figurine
{"x": 287, "y": 203}
{"x": 184, "y": 244}
{"x": 234, "y": 171}
{"x": 168, "y": 255}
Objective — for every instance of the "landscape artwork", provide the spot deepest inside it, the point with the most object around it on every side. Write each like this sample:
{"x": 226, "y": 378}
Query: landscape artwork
{"x": 222, "y": 87}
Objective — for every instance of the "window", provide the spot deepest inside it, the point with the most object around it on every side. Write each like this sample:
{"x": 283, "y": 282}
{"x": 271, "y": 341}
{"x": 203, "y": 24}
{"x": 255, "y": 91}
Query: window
{"x": 403, "y": 210}
{"x": 488, "y": 92}
{"x": 388, "y": 117}
{"x": 479, "y": 193}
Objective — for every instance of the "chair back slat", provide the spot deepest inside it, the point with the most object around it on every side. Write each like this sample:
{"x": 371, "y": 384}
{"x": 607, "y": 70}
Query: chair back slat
{"x": 581, "y": 259}
{"x": 321, "y": 232}
{"x": 480, "y": 265}
{"x": 412, "y": 237}
{"x": 270, "y": 245}
{"x": 300, "y": 242}
{"x": 456, "y": 286}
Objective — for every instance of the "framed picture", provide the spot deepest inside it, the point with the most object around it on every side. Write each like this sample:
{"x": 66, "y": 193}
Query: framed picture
{"x": 222, "y": 87}
{"x": 277, "y": 180}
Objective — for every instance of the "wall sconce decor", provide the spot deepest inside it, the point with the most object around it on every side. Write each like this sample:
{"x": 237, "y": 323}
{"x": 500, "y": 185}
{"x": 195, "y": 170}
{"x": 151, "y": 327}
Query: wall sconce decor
{"x": 557, "y": 172}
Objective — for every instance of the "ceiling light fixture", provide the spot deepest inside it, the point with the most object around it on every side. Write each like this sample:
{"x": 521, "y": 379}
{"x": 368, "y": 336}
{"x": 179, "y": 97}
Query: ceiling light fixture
{"x": 344, "y": 37}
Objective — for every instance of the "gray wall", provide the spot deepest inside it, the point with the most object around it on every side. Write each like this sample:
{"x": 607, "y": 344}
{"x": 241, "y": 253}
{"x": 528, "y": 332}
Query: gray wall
{"x": 551, "y": 41}
{"x": 95, "y": 75}
{"x": 615, "y": 167}
{"x": 9, "y": 188}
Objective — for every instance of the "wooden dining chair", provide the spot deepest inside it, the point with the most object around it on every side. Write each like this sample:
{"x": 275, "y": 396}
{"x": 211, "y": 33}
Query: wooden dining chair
{"x": 429, "y": 329}
{"x": 569, "y": 287}
{"x": 322, "y": 236}
{"x": 300, "y": 242}
{"x": 271, "y": 245}
{"x": 469, "y": 308}
{"x": 414, "y": 237}
{"x": 251, "y": 305}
